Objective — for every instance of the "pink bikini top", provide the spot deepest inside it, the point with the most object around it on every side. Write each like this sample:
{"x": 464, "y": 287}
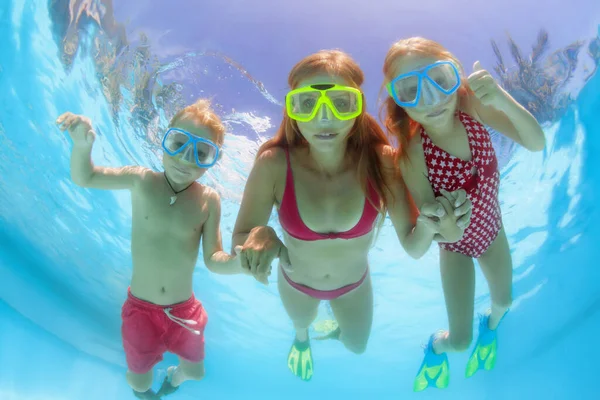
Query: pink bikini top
{"x": 291, "y": 222}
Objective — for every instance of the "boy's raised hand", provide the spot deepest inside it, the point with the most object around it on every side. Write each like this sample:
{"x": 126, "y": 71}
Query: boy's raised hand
{"x": 79, "y": 128}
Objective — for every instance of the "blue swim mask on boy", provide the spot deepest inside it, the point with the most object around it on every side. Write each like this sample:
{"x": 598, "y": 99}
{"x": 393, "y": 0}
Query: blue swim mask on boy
{"x": 190, "y": 148}
{"x": 433, "y": 83}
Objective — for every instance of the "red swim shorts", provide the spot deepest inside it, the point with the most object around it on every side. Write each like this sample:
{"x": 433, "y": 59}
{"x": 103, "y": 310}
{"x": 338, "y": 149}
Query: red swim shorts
{"x": 148, "y": 330}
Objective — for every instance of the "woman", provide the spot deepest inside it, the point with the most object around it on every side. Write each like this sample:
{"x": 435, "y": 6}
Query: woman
{"x": 329, "y": 169}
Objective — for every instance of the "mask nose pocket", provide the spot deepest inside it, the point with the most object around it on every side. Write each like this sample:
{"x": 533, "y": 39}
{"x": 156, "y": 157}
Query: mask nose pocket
{"x": 431, "y": 95}
{"x": 188, "y": 154}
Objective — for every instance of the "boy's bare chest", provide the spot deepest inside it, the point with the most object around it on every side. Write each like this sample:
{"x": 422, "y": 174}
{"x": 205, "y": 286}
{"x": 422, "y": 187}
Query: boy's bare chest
{"x": 155, "y": 213}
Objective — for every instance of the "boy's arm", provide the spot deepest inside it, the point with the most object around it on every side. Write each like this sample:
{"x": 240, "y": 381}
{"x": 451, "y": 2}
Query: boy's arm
{"x": 83, "y": 171}
{"x": 85, "y": 174}
{"x": 215, "y": 258}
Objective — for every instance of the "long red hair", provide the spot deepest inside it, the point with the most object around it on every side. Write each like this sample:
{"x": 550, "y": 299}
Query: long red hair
{"x": 365, "y": 136}
{"x": 396, "y": 121}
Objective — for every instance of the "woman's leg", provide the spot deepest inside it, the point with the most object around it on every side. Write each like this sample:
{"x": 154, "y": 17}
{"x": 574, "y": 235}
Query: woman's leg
{"x": 354, "y": 314}
{"x": 301, "y": 308}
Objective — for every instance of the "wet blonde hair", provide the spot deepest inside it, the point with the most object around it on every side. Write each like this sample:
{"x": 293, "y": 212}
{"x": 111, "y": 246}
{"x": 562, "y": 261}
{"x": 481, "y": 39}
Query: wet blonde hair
{"x": 202, "y": 113}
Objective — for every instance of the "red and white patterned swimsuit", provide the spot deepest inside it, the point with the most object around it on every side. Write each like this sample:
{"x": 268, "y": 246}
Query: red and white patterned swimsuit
{"x": 479, "y": 178}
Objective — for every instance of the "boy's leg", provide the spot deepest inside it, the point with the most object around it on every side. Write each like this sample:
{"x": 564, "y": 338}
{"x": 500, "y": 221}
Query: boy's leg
{"x": 187, "y": 371}
{"x": 141, "y": 335}
{"x": 139, "y": 382}
{"x": 188, "y": 322}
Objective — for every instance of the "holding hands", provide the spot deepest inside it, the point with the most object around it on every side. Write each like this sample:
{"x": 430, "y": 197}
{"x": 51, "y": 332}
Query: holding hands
{"x": 258, "y": 252}
{"x": 450, "y": 211}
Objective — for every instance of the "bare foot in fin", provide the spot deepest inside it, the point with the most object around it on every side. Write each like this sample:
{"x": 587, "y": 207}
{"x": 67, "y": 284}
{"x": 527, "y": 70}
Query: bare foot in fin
{"x": 166, "y": 387}
{"x": 335, "y": 335}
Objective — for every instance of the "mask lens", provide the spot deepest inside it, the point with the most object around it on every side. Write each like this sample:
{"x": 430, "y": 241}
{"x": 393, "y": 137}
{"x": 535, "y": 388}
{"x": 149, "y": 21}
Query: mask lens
{"x": 304, "y": 103}
{"x": 176, "y": 141}
{"x": 345, "y": 102}
{"x": 444, "y": 76}
{"x": 205, "y": 153}
{"x": 407, "y": 88}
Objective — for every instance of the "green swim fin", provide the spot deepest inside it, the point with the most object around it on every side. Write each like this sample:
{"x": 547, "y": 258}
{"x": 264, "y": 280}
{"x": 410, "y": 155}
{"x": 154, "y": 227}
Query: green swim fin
{"x": 486, "y": 349}
{"x": 434, "y": 370}
{"x": 300, "y": 360}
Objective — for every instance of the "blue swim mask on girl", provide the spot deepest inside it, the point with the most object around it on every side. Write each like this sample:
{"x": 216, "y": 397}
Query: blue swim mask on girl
{"x": 433, "y": 83}
{"x": 190, "y": 148}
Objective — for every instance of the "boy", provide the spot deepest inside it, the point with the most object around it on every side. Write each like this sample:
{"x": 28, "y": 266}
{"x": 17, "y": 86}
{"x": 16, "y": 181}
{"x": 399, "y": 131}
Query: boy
{"x": 171, "y": 212}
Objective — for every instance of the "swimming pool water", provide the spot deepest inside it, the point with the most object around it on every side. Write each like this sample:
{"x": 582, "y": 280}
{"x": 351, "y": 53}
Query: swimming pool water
{"x": 64, "y": 251}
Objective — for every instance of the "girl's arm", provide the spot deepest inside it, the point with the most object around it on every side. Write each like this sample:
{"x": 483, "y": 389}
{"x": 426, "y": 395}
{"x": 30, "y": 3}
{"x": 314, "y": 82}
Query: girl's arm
{"x": 414, "y": 174}
{"x": 494, "y": 107}
{"x": 413, "y": 217}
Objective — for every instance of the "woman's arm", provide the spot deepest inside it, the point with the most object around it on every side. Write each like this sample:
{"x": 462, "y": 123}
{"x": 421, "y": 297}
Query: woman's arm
{"x": 260, "y": 244}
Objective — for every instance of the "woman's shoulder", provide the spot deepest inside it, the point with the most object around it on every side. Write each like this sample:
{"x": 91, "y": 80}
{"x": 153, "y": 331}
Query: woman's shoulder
{"x": 271, "y": 163}
{"x": 274, "y": 156}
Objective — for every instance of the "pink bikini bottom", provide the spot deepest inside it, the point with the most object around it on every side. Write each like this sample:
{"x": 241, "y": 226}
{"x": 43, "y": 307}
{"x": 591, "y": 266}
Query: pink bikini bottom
{"x": 324, "y": 294}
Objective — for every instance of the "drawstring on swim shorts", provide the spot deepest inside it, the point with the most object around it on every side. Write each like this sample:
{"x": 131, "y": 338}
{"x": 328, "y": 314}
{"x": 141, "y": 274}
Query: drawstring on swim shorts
{"x": 181, "y": 321}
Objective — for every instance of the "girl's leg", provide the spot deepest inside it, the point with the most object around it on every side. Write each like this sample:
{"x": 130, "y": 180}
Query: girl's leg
{"x": 496, "y": 265}
{"x": 458, "y": 282}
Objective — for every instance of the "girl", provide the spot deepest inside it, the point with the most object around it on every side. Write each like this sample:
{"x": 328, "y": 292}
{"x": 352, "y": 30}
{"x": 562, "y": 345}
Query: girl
{"x": 438, "y": 119}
